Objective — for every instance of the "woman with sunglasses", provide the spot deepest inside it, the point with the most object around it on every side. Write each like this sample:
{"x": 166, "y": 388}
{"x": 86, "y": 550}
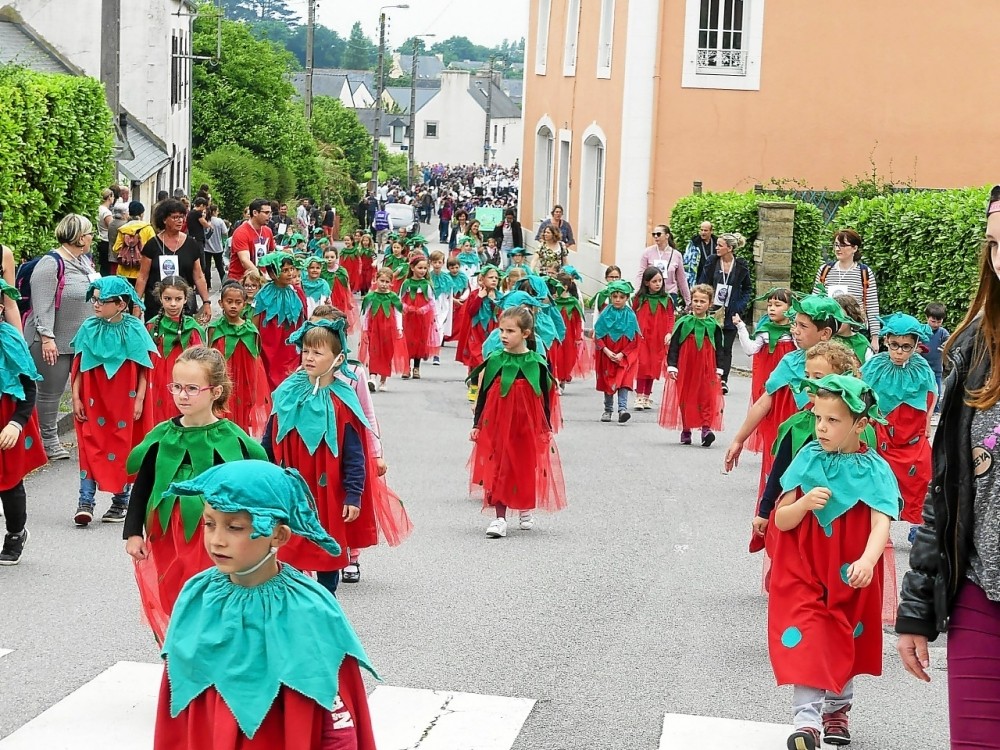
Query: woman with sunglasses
{"x": 846, "y": 274}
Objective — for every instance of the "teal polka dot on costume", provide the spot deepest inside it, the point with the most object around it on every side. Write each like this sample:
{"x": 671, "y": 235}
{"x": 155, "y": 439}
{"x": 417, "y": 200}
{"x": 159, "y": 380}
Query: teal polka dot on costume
{"x": 132, "y": 394}
{"x": 828, "y": 530}
{"x": 913, "y": 471}
{"x": 28, "y": 442}
{"x": 91, "y": 401}
{"x": 121, "y": 424}
{"x": 322, "y": 479}
{"x": 859, "y": 629}
{"x": 791, "y": 638}
{"x": 111, "y": 456}
{"x": 83, "y": 474}
{"x": 843, "y": 572}
{"x": 101, "y": 421}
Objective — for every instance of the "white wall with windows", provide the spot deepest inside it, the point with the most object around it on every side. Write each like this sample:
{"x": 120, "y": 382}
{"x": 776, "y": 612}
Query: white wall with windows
{"x": 545, "y": 146}
{"x": 542, "y": 36}
{"x": 606, "y": 39}
{"x": 723, "y": 41}
{"x": 590, "y": 216}
{"x": 572, "y": 37}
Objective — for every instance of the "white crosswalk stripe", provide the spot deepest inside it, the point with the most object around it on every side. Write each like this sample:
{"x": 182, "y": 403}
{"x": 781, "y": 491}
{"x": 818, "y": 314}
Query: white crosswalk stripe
{"x": 5, "y": 651}
{"x": 681, "y": 732}
{"x": 402, "y": 717}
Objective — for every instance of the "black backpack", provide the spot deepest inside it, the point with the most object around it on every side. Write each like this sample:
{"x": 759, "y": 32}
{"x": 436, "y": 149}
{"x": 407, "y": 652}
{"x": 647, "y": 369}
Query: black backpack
{"x": 22, "y": 282}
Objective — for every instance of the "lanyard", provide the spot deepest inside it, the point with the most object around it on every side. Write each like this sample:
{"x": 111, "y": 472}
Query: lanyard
{"x": 725, "y": 276}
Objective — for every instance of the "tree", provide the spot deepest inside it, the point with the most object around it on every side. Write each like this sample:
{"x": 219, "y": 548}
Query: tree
{"x": 460, "y": 48}
{"x": 333, "y": 124}
{"x": 260, "y": 10}
{"x": 328, "y": 47}
{"x": 406, "y": 48}
{"x": 361, "y": 52}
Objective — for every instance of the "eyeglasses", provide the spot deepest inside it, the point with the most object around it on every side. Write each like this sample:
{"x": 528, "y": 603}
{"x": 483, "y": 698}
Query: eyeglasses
{"x": 191, "y": 390}
{"x": 98, "y": 302}
{"x": 896, "y": 347}
{"x": 842, "y": 244}
{"x": 657, "y": 234}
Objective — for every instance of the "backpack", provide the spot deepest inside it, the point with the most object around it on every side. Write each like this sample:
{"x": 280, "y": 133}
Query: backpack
{"x": 22, "y": 282}
{"x": 129, "y": 249}
{"x": 865, "y": 281}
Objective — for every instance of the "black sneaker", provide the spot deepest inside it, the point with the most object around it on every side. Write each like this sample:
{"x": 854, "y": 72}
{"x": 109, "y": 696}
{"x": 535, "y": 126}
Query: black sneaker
{"x": 806, "y": 738}
{"x": 84, "y": 515}
{"x": 116, "y": 514}
{"x": 623, "y": 417}
{"x": 606, "y": 416}
{"x": 13, "y": 546}
{"x": 725, "y": 388}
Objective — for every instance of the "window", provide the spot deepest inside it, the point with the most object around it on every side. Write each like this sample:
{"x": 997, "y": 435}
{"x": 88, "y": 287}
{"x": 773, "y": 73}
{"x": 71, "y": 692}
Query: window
{"x": 722, "y": 44}
{"x": 606, "y": 39}
{"x": 591, "y": 214}
{"x": 572, "y": 34}
{"x": 174, "y": 72}
{"x": 397, "y": 134}
{"x": 504, "y": 131}
{"x": 542, "y": 37}
{"x": 496, "y": 129}
{"x": 544, "y": 164}
{"x": 430, "y": 130}
{"x": 562, "y": 196}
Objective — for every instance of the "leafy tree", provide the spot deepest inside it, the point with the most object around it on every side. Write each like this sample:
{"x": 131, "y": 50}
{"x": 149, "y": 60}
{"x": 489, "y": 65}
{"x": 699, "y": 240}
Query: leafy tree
{"x": 460, "y": 48}
{"x": 328, "y": 47}
{"x": 335, "y": 125}
{"x": 260, "y": 10}
{"x": 406, "y": 48}
{"x": 361, "y": 52}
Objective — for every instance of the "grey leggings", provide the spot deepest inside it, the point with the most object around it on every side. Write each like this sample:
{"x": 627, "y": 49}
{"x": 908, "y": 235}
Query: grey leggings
{"x": 50, "y": 391}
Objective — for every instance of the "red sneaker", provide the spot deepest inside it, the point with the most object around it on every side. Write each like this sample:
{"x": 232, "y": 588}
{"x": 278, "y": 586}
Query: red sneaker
{"x": 835, "y": 731}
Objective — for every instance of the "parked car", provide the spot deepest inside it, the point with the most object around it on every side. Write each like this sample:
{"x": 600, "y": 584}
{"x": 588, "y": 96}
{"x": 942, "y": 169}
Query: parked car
{"x": 402, "y": 216}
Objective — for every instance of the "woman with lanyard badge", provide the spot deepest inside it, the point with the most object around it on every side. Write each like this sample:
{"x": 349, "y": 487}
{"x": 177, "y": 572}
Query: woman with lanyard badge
{"x": 730, "y": 277}
{"x": 848, "y": 275}
{"x": 664, "y": 255}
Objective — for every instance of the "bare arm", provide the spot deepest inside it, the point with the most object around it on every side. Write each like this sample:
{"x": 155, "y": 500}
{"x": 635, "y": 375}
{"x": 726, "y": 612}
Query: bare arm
{"x": 860, "y": 573}
{"x": 142, "y": 280}
{"x": 10, "y": 312}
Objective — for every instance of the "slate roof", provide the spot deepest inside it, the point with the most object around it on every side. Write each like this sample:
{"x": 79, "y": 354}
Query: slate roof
{"x": 367, "y": 118}
{"x": 428, "y": 66}
{"x": 330, "y": 82}
{"x": 149, "y": 152}
{"x": 401, "y": 95}
{"x": 502, "y": 106}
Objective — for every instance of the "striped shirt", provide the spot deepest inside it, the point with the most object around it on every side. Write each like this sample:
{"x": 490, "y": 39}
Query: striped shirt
{"x": 837, "y": 280}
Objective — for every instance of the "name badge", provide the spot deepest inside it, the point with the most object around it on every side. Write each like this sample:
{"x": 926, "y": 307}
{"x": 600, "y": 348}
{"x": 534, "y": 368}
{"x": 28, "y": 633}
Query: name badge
{"x": 722, "y": 293}
{"x": 838, "y": 290}
{"x": 168, "y": 266}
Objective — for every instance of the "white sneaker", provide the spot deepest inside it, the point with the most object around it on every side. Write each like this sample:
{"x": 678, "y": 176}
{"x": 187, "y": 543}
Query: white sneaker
{"x": 381, "y": 387}
{"x": 497, "y": 528}
{"x": 525, "y": 521}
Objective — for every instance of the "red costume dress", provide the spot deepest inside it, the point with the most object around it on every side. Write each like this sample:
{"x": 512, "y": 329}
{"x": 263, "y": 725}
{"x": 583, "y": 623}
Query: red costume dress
{"x": 110, "y": 359}
{"x": 790, "y": 370}
{"x": 694, "y": 399}
{"x": 350, "y": 261}
{"x": 341, "y": 295}
{"x": 18, "y": 372}
{"x": 821, "y": 631}
{"x": 250, "y": 401}
{"x": 419, "y": 318}
{"x": 514, "y": 460}
{"x": 905, "y": 394}
{"x": 171, "y": 338}
{"x": 278, "y": 312}
{"x": 367, "y": 268}
{"x": 569, "y": 358}
{"x": 175, "y": 544}
{"x": 773, "y": 342}
{"x": 655, "y": 313}
{"x": 618, "y": 331}
{"x": 383, "y": 349}
{"x": 480, "y": 318}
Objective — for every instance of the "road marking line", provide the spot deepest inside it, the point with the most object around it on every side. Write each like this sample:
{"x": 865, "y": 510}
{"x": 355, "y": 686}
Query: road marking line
{"x": 681, "y": 732}
{"x": 406, "y": 718}
{"x": 5, "y": 651}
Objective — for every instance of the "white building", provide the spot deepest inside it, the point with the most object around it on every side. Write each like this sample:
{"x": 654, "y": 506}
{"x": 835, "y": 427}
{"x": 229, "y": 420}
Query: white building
{"x": 154, "y": 75}
{"x": 352, "y": 87}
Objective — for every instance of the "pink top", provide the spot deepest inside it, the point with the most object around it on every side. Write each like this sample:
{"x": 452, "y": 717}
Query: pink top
{"x": 671, "y": 265}
{"x": 364, "y": 396}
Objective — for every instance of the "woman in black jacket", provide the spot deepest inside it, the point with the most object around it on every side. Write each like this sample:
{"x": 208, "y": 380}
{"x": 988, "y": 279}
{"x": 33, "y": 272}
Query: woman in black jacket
{"x": 954, "y": 581}
{"x": 729, "y": 276}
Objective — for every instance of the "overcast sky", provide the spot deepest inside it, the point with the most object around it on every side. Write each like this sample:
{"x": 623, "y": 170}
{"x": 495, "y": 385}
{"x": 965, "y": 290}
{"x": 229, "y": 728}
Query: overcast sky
{"x": 482, "y": 21}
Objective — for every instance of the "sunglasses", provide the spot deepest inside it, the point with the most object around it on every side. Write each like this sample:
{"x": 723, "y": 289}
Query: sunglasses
{"x": 657, "y": 234}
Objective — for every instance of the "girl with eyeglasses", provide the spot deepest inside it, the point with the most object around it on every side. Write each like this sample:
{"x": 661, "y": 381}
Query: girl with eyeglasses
{"x": 907, "y": 392}
{"x": 111, "y": 364}
{"x": 163, "y": 535}
{"x": 173, "y": 331}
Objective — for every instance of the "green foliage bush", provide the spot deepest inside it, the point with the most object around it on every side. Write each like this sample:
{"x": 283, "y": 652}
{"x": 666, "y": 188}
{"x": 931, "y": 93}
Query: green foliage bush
{"x": 238, "y": 177}
{"x": 55, "y": 148}
{"x": 738, "y": 212}
{"x": 921, "y": 246}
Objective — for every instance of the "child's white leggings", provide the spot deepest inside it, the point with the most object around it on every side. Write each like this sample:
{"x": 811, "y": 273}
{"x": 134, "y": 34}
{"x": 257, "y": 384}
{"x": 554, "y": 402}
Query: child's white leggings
{"x": 808, "y": 704}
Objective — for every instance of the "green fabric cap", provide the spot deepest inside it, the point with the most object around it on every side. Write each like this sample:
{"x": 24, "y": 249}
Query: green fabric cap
{"x": 851, "y": 389}
{"x": 821, "y": 307}
{"x": 15, "y": 360}
{"x": 486, "y": 269}
{"x": 318, "y": 231}
{"x": 417, "y": 239}
{"x": 7, "y": 290}
{"x": 901, "y": 324}
{"x": 571, "y": 270}
{"x": 99, "y": 343}
{"x": 625, "y": 287}
{"x": 277, "y": 259}
{"x": 517, "y": 297}
{"x": 114, "y": 286}
{"x": 337, "y": 327}
{"x": 519, "y": 251}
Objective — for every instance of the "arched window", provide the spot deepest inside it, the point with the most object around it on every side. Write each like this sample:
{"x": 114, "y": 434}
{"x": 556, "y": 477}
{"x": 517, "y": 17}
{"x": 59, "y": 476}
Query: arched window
{"x": 544, "y": 166}
{"x": 592, "y": 169}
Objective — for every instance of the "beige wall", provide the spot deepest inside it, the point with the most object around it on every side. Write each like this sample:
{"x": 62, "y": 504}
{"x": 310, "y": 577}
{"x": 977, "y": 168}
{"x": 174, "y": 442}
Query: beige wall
{"x": 574, "y": 103}
{"x": 907, "y": 84}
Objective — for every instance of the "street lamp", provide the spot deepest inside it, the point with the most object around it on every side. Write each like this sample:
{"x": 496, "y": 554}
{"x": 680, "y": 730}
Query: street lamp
{"x": 413, "y": 109}
{"x": 378, "y": 88}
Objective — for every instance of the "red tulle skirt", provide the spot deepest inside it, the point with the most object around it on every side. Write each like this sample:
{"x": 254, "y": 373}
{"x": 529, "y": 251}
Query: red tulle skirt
{"x": 515, "y": 461}
{"x": 763, "y": 364}
{"x": 564, "y": 355}
{"x": 250, "y": 401}
{"x": 367, "y": 273}
{"x": 352, "y": 264}
{"x": 111, "y": 431}
{"x": 459, "y": 324}
{"x": 382, "y": 349}
{"x": 471, "y": 347}
{"x": 294, "y": 721}
{"x": 172, "y": 561}
{"x": 903, "y": 444}
{"x": 27, "y": 454}
{"x": 342, "y": 298}
{"x": 611, "y": 376}
{"x": 694, "y": 399}
{"x": 652, "y": 346}
{"x": 586, "y": 360}
{"x": 279, "y": 358}
{"x": 419, "y": 326}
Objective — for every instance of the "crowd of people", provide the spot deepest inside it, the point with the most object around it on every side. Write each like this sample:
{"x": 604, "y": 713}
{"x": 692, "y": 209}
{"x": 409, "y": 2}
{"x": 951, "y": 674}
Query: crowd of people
{"x": 244, "y": 447}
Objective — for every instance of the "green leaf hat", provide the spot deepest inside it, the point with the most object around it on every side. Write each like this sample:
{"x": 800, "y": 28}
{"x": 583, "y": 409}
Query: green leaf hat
{"x": 277, "y": 259}
{"x": 851, "y": 389}
{"x": 519, "y": 251}
{"x": 114, "y": 286}
{"x": 625, "y": 287}
{"x": 901, "y": 324}
{"x": 821, "y": 307}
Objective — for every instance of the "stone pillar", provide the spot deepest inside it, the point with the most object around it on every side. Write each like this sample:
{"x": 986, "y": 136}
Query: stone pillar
{"x": 774, "y": 260}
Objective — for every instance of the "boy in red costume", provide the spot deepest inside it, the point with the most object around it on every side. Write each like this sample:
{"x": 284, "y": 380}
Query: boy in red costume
{"x": 279, "y": 309}
{"x": 616, "y": 344}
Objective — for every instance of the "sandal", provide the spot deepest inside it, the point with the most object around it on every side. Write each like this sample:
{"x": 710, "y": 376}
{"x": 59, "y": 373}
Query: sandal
{"x": 351, "y": 573}
{"x": 405, "y": 375}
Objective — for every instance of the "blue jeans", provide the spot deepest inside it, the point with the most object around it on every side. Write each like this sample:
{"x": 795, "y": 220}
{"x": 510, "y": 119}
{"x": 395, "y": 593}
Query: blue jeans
{"x": 622, "y": 400}
{"x": 328, "y": 579}
{"x": 443, "y": 227}
{"x": 88, "y": 488}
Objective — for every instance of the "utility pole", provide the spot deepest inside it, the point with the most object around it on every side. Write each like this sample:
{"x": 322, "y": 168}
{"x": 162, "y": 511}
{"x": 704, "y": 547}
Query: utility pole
{"x": 489, "y": 114}
{"x": 378, "y": 90}
{"x": 310, "y": 35}
{"x": 413, "y": 111}
{"x": 111, "y": 42}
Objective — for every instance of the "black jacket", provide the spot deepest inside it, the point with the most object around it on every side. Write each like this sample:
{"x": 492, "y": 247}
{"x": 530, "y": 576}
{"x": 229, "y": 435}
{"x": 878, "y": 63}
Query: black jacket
{"x": 741, "y": 292}
{"x": 940, "y": 555}
{"x": 516, "y": 235}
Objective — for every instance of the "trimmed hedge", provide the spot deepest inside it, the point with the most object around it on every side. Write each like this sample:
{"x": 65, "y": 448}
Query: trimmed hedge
{"x": 55, "y": 150}
{"x": 238, "y": 177}
{"x": 922, "y": 247}
{"x": 738, "y": 212}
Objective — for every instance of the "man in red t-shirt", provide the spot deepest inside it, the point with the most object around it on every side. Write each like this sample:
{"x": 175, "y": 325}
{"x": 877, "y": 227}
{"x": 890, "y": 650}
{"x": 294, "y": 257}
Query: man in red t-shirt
{"x": 251, "y": 240}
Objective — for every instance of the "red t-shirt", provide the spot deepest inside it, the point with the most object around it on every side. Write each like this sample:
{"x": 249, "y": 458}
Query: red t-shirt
{"x": 247, "y": 238}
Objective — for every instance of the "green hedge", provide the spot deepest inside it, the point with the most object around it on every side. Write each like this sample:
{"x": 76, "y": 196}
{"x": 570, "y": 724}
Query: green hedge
{"x": 921, "y": 246}
{"x": 738, "y": 212}
{"x": 55, "y": 149}
{"x": 238, "y": 177}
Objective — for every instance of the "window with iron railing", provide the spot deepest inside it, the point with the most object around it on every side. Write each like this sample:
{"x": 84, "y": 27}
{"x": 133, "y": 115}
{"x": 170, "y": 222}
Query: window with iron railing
{"x": 721, "y": 45}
